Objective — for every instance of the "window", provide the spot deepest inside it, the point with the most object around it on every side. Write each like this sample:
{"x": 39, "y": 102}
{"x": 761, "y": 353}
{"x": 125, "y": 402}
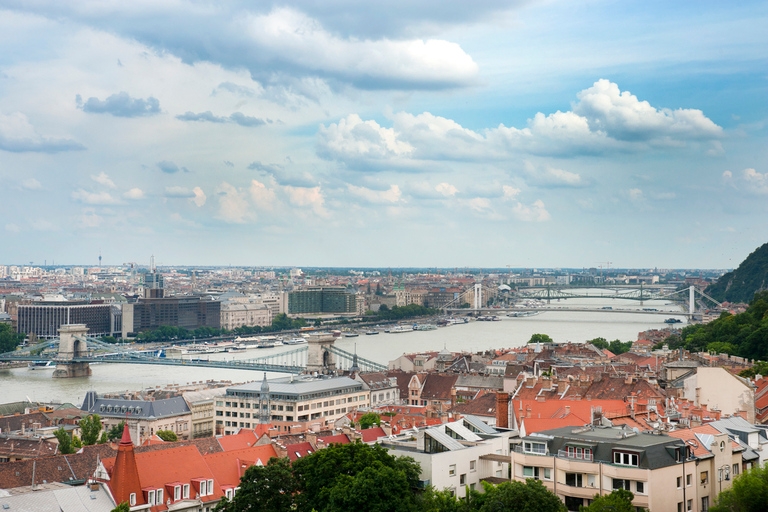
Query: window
{"x": 463, "y": 479}
{"x": 176, "y": 492}
{"x": 452, "y": 470}
{"x": 679, "y": 482}
{"x": 133, "y": 499}
{"x": 705, "y": 504}
{"x": 619, "y": 483}
{"x": 472, "y": 465}
{"x": 203, "y": 489}
{"x": 531, "y": 447}
{"x": 151, "y": 498}
{"x": 159, "y": 496}
{"x": 625, "y": 459}
{"x": 680, "y": 506}
{"x": 210, "y": 486}
{"x": 704, "y": 477}
{"x": 186, "y": 491}
{"x": 574, "y": 479}
{"x": 228, "y": 493}
{"x": 688, "y": 479}
{"x": 689, "y": 505}
{"x": 536, "y": 473}
{"x": 640, "y": 487}
{"x": 735, "y": 469}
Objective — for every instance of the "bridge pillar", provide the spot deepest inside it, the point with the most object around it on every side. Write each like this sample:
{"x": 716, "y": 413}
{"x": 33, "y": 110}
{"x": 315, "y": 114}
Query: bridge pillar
{"x": 70, "y": 348}
{"x": 691, "y": 301}
{"x": 478, "y": 296}
{"x": 319, "y": 358}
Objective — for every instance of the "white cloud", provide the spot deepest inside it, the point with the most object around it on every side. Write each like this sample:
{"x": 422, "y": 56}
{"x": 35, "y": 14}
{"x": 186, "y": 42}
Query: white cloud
{"x": 748, "y": 180}
{"x": 635, "y": 194}
{"x": 96, "y": 198}
{"x": 604, "y": 119}
{"x": 17, "y": 135}
{"x": 12, "y": 228}
{"x": 312, "y": 197}
{"x": 89, "y": 219}
{"x": 199, "y": 198}
{"x": 31, "y": 184}
{"x": 134, "y": 193}
{"x": 263, "y": 198}
{"x": 233, "y": 204}
{"x": 446, "y": 189}
{"x": 535, "y": 212}
{"x": 547, "y": 176}
{"x": 622, "y": 116}
{"x": 510, "y": 193}
{"x": 389, "y": 196}
{"x": 293, "y": 37}
{"x": 103, "y": 179}
{"x": 179, "y": 192}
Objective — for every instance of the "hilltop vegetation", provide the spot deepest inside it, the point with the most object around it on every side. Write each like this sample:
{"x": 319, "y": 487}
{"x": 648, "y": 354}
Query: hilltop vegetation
{"x": 744, "y": 335}
{"x": 740, "y": 285}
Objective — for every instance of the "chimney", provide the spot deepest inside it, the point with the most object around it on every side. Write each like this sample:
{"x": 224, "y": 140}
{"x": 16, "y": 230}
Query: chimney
{"x": 567, "y": 410}
{"x": 502, "y": 409}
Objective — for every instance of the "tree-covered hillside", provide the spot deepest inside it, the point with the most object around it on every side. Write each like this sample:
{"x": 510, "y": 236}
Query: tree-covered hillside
{"x": 744, "y": 335}
{"x": 741, "y": 284}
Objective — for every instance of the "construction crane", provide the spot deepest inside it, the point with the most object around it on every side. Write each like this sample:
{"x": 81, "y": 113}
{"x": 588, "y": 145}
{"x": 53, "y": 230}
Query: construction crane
{"x": 608, "y": 269}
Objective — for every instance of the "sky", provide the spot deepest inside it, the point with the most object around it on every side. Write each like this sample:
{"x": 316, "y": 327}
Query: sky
{"x": 392, "y": 134}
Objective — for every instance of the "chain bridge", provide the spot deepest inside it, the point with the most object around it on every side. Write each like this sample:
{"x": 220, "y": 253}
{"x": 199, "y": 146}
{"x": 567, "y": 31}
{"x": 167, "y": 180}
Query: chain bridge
{"x": 74, "y": 351}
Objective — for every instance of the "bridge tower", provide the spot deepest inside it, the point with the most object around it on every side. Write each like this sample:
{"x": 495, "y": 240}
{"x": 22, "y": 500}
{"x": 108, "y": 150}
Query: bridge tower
{"x": 478, "y": 295}
{"x": 319, "y": 358}
{"x": 691, "y": 301}
{"x": 72, "y": 346}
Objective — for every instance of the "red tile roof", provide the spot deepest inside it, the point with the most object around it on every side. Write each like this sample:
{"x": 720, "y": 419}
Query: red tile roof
{"x": 244, "y": 438}
{"x": 228, "y": 467}
{"x": 298, "y": 450}
{"x": 337, "y": 439}
{"x": 370, "y": 435}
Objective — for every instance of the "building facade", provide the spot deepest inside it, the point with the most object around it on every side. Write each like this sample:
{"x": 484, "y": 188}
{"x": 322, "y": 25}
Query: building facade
{"x": 322, "y": 299}
{"x": 234, "y": 315}
{"x": 189, "y": 312}
{"x": 44, "y": 320}
{"x": 307, "y": 402}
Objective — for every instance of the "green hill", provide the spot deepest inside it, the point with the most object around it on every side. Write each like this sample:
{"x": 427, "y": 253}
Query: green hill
{"x": 740, "y": 285}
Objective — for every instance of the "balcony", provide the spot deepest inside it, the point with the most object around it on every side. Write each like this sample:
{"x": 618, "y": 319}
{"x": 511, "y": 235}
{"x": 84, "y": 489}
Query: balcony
{"x": 586, "y": 457}
{"x": 519, "y": 449}
{"x": 577, "y": 492}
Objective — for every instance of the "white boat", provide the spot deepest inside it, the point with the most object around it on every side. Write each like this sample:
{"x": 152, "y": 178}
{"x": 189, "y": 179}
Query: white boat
{"x": 351, "y": 334}
{"x": 425, "y": 327}
{"x": 41, "y": 365}
{"x": 400, "y": 328}
{"x": 294, "y": 341}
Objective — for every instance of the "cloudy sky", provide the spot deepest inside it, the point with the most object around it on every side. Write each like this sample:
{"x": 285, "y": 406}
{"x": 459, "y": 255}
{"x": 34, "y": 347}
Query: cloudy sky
{"x": 402, "y": 133}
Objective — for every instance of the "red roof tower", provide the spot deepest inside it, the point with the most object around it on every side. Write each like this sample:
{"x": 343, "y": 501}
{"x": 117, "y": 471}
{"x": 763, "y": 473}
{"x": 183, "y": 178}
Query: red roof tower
{"x": 124, "y": 479}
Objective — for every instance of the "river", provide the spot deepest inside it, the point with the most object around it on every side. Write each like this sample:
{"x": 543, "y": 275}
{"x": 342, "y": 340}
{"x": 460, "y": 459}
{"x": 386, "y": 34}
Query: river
{"x": 562, "y": 326}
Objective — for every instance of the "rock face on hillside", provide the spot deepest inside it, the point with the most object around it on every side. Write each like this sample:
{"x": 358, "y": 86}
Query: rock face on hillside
{"x": 741, "y": 284}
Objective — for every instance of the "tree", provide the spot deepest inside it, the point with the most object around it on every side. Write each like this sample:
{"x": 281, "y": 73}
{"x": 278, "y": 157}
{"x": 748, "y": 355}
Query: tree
{"x": 167, "y": 435}
{"x": 540, "y": 338}
{"x": 370, "y": 419}
{"x": 116, "y": 432}
{"x": 619, "y": 347}
{"x": 619, "y": 500}
{"x": 749, "y": 492}
{"x": 271, "y": 488}
{"x": 9, "y": 340}
{"x": 514, "y": 496}
{"x": 123, "y": 507}
{"x": 600, "y": 343}
{"x": 65, "y": 441}
{"x": 90, "y": 427}
{"x": 354, "y": 477}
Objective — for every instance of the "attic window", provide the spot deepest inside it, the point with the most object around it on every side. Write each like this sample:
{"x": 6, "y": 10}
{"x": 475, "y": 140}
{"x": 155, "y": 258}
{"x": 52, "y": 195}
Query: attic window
{"x": 102, "y": 408}
{"x": 109, "y": 408}
{"x": 138, "y": 410}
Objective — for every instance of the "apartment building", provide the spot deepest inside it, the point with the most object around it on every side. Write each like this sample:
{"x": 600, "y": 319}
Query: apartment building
{"x": 290, "y": 404}
{"x": 578, "y": 463}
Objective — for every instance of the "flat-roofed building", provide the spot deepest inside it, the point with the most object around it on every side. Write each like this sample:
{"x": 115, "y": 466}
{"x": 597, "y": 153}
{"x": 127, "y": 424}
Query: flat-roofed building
{"x": 292, "y": 403}
{"x": 322, "y": 299}
{"x": 44, "y": 320}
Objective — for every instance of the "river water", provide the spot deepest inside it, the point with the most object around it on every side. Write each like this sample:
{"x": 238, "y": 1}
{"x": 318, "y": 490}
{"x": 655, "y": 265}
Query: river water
{"x": 21, "y": 383}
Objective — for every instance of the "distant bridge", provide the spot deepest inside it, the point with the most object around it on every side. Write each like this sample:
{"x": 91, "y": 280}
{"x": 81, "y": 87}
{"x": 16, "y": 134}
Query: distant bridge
{"x": 72, "y": 357}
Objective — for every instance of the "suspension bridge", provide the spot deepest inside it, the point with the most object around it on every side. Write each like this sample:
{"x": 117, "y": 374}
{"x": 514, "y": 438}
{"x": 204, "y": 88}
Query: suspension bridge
{"x": 73, "y": 352}
{"x": 691, "y": 298}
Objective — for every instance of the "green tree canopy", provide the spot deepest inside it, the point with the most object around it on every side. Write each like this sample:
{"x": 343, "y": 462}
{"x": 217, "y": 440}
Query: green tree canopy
{"x": 354, "y": 477}
{"x": 65, "y": 441}
{"x": 514, "y": 496}
{"x": 167, "y": 435}
{"x": 9, "y": 339}
{"x": 369, "y": 419}
{"x": 619, "y": 500}
{"x": 271, "y": 488}
{"x": 600, "y": 343}
{"x": 749, "y": 492}
{"x": 123, "y": 507}
{"x": 90, "y": 428}
{"x": 540, "y": 338}
{"x": 116, "y": 432}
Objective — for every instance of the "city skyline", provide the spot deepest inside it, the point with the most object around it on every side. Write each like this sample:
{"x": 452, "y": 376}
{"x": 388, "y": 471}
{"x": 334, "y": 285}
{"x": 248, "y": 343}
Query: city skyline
{"x": 445, "y": 135}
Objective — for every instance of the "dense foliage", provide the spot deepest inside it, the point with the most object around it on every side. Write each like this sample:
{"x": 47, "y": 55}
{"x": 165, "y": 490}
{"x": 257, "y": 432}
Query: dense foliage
{"x": 90, "y": 428}
{"x": 66, "y": 444}
{"x": 281, "y": 322}
{"x": 370, "y": 419}
{"x": 540, "y": 338}
{"x": 9, "y": 339}
{"x": 749, "y": 492}
{"x": 271, "y": 487}
{"x": 744, "y": 335}
{"x": 615, "y": 346}
{"x": 740, "y": 285}
{"x": 619, "y": 500}
{"x": 402, "y": 312}
{"x": 167, "y": 435}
